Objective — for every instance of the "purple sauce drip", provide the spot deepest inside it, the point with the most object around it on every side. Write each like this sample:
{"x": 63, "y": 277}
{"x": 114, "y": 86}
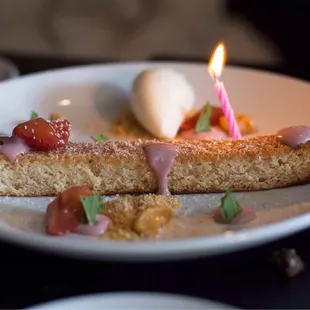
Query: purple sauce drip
{"x": 95, "y": 230}
{"x": 294, "y": 136}
{"x": 10, "y": 147}
{"x": 161, "y": 157}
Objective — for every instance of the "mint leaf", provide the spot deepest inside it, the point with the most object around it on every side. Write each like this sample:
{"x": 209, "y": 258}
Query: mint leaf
{"x": 91, "y": 206}
{"x": 34, "y": 115}
{"x": 100, "y": 138}
{"x": 204, "y": 122}
{"x": 229, "y": 206}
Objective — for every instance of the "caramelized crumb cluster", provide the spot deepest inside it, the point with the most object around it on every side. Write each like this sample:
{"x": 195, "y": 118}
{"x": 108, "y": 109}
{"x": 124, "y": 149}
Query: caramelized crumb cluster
{"x": 245, "y": 124}
{"x": 135, "y": 217}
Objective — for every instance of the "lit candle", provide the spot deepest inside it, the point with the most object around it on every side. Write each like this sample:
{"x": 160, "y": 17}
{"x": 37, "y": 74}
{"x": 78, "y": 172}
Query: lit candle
{"x": 215, "y": 70}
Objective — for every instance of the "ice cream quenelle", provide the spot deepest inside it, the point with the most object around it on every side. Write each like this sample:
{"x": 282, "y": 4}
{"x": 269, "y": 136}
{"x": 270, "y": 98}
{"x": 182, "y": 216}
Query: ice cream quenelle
{"x": 160, "y": 100}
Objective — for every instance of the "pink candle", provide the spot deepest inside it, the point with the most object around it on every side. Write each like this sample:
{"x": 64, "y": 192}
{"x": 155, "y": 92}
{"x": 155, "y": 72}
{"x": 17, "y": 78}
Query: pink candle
{"x": 227, "y": 110}
{"x": 215, "y": 69}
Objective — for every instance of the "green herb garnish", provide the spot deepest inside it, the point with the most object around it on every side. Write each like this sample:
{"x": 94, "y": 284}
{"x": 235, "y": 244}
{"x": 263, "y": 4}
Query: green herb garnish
{"x": 92, "y": 205}
{"x": 100, "y": 138}
{"x": 229, "y": 206}
{"x": 204, "y": 122}
{"x": 34, "y": 115}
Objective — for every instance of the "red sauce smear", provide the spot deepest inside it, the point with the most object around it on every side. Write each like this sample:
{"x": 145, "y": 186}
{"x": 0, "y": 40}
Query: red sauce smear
{"x": 161, "y": 157}
{"x": 246, "y": 215}
{"x": 214, "y": 133}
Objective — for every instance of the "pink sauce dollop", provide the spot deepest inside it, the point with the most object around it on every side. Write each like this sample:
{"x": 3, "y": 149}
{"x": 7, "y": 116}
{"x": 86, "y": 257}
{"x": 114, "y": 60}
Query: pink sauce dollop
{"x": 161, "y": 157}
{"x": 214, "y": 133}
{"x": 11, "y": 147}
{"x": 294, "y": 136}
{"x": 246, "y": 215}
{"x": 94, "y": 229}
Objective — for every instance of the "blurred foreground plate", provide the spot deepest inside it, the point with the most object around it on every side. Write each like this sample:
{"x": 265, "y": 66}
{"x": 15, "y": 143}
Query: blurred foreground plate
{"x": 134, "y": 301}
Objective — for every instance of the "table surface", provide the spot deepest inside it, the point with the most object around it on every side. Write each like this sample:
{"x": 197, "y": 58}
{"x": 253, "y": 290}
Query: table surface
{"x": 244, "y": 279}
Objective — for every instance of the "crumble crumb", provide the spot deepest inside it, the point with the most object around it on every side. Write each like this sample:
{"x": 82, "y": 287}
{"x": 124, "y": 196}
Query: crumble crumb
{"x": 138, "y": 216}
{"x": 289, "y": 261}
{"x": 56, "y": 117}
{"x": 127, "y": 126}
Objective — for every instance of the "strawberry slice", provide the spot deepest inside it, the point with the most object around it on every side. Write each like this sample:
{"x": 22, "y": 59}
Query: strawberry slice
{"x": 64, "y": 214}
{"x": 190, "y": 122}
{"x": 62, "y": 129}
{"x": 43, "y": 135}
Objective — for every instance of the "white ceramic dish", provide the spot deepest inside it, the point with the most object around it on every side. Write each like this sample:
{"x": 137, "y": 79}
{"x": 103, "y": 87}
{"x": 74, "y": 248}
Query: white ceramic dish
{"x": 86, "y": 94}
{"x": 133, "y": 301}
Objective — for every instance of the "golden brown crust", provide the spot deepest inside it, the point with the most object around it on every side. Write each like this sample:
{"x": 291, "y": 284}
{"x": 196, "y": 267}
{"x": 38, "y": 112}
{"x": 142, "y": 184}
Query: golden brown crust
{"x": 121, "y": 167}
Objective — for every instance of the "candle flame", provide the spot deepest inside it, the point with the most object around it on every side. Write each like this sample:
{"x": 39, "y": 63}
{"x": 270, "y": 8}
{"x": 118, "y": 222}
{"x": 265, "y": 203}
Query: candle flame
{"x": 217, "y": 61}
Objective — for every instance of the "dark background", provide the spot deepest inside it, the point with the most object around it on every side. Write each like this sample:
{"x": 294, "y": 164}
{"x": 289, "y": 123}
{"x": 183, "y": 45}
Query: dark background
{"x": 286, "y": 23}
{"x": 245, "y": 279}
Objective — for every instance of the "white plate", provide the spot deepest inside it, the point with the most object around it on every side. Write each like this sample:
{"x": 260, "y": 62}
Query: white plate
{"x": 87, "y": 93}
{"x": 134, "y": 301}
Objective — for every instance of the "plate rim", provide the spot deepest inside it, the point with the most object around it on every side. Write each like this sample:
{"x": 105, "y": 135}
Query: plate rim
{"x": 129, "y": 63}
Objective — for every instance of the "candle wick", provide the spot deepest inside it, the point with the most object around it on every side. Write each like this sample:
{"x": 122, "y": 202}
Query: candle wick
{"x": 215, "y": 78}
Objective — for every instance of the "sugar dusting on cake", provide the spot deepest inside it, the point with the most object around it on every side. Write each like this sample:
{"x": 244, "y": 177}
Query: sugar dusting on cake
{"x": 126, "y": 149}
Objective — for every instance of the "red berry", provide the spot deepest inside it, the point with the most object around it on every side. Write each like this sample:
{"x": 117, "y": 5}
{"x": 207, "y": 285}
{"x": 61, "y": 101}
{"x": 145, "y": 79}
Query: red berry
{"x": 62, "y": 129}
{"x": 43, "y": 135}
{"x": 64, "y": 214}
{"x": 190, "y": 122}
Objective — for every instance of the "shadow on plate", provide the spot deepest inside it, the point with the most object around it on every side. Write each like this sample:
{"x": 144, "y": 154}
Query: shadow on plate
{"x": 110, "y": 100}
{"x": 7, "y": 70}
{"x": 83, "y": 103}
